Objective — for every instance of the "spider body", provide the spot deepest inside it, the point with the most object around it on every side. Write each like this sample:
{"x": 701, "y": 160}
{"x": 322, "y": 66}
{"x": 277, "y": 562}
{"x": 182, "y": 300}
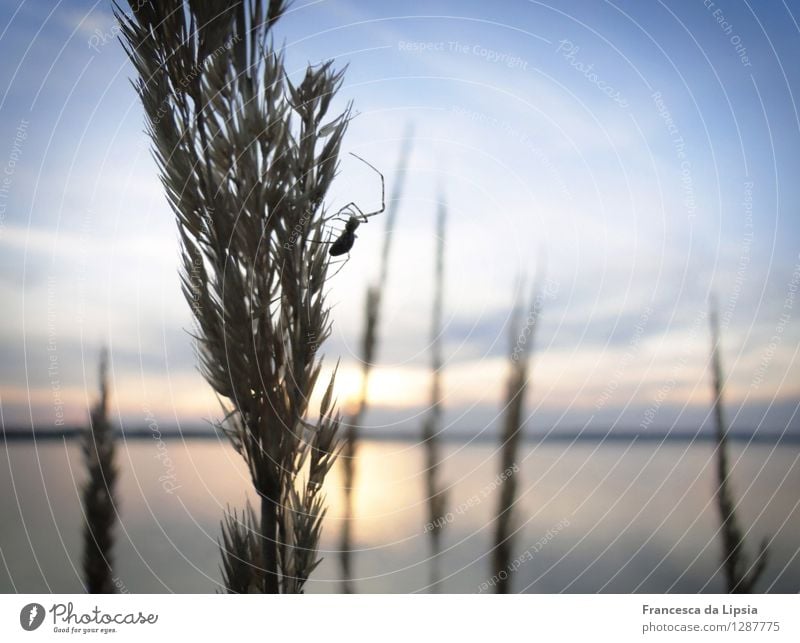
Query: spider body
{"x": 346, "y": 239}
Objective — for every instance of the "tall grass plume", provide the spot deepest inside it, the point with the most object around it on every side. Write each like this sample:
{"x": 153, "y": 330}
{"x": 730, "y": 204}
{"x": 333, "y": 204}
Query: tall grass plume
{"x": 246, "y": 157}
{"x": 369, "y": 346}
{"x": 98, "y": 499}
{"x": 434, "y": 491}
{"x": 522, "y": 337}
{"x": 741, "y": 575}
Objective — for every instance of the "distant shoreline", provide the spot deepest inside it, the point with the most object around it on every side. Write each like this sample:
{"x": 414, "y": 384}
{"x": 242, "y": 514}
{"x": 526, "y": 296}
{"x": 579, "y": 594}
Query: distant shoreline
{"x": 615, "y": 436}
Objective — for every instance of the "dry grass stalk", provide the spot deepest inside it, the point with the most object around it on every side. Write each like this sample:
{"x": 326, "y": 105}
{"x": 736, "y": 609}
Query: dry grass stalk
{"x": 522, "y": 341}
{"x": 368, "y": 349}
{"x": 740, "y": 574}
{"x": 99, "y": 510}
{"x": 246, "y": 159}
{"x": 435, "y": 493}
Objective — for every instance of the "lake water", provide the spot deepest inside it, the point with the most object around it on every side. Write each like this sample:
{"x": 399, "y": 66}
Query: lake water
{"x": 621, "y": 517}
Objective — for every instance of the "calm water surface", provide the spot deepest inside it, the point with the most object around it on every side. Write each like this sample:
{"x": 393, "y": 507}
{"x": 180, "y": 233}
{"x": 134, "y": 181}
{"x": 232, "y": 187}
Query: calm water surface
{"x": 591, "y": 517}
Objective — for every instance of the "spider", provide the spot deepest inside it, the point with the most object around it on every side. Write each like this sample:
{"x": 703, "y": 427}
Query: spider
{"x": 355, "y": 217}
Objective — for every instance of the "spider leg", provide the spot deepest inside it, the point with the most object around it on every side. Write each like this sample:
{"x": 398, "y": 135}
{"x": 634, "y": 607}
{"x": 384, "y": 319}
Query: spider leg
{"x": 338, "y": 215}
{"x": 383, "y": 190}
{"x": 332, "y": 234}
{"x": 355, "y": 210}
{"x": 361, "y": 215}
{"x": 341, "y": 265}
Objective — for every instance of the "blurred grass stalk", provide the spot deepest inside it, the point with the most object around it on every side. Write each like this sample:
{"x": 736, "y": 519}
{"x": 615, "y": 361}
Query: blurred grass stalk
{"x": 522, "y": 342}
{"x": 246, "y": 160}
{"x": 369, "y": 346}
{"x": 99, "y": 509}
{"x": 435, "y": 494}
{"x": 740, "y": 575}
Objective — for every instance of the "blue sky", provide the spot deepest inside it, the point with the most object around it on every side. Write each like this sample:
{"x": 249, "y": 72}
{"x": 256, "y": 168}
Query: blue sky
{"x": 649, "y": 150}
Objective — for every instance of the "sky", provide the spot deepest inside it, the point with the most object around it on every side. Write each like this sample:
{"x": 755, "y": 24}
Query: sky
{"x": 645, "y": 154}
